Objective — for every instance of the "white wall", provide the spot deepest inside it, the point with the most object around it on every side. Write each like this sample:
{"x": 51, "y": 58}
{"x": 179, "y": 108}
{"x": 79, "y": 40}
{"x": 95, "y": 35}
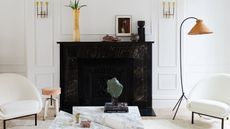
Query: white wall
{"x": 12, "y": 36}
{"x": 207, "y": 54}
{"x": 28, "y": 44}
{"x": 98, "y": 18}
{"x": 202, "y": 55}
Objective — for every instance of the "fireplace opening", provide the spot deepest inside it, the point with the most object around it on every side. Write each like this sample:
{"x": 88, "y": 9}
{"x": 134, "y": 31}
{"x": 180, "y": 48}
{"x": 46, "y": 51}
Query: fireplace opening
{"x": 93, "y": 75}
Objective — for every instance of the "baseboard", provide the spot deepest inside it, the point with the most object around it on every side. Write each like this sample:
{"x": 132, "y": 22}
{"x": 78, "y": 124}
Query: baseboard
{"x": 164, "y": 103}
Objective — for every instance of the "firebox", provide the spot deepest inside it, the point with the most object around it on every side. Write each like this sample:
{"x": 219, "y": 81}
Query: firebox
{"x": 85, "y": 68}
{"x": 93, "y": 75}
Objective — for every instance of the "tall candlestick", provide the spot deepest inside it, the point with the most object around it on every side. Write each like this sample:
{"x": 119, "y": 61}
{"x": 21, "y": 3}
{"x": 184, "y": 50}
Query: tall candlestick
{"x": 169, "y": 12}
{"x": 47, "y": 8}
{"x": 173, "y": 9}
{"x": 41, "y": 4}
{"x": 37, "y": 4}
{"x": 163, "y": 9}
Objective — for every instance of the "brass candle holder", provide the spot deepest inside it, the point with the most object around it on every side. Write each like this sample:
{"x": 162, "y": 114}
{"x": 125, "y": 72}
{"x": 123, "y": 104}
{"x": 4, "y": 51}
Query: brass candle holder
{"x": 42, "y": 9}
{"x": 169, "y": 9}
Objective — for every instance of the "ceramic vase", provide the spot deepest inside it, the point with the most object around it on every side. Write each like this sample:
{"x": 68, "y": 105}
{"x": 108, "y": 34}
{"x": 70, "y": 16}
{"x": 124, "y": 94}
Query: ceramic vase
{"x": 76, "y": 31}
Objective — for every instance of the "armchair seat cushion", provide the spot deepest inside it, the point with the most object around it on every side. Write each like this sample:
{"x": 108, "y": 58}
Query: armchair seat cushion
{"x": 19, "y": 108}
{"x": 209, "y": 107}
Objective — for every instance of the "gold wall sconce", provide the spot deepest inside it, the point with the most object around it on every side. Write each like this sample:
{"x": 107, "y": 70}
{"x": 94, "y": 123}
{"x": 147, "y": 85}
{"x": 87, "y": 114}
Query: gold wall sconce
{"x": 42, "y": 9}
{"x": 169, "y": 9}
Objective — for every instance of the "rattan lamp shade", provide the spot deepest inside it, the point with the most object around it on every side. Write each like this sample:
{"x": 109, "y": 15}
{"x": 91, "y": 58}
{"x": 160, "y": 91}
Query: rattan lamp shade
{"x": 199, "y": 28}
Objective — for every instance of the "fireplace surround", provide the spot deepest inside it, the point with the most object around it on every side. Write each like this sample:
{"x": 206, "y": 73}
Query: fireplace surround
{"x": 86, "y": 66}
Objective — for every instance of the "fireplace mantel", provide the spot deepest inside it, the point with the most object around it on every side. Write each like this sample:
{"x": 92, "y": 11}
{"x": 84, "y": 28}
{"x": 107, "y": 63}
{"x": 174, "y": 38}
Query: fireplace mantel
{"x": 86, "y": 66}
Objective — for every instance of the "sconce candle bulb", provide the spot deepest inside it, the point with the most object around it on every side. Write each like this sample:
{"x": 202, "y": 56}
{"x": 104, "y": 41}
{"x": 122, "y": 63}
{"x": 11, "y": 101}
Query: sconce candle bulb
{"x": 168, "y": 9}
{"x": 41, "y": 10}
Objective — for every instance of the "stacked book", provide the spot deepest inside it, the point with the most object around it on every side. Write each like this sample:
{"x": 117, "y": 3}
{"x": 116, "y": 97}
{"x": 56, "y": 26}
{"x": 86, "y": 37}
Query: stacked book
{"x": 120, "y": 107}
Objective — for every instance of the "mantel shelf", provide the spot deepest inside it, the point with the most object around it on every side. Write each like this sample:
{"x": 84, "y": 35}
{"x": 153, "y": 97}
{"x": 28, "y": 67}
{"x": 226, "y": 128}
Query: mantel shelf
{"x": 100, "y": 42}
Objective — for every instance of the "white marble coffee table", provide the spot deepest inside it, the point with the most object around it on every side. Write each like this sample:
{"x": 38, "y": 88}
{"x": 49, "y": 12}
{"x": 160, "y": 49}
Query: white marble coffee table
{"x": 100, "y": 120}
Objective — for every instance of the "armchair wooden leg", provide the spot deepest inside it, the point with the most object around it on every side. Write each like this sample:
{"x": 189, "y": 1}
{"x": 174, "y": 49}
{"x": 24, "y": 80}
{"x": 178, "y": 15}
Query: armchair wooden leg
{"x": 36, "y": 119}
{"x": 192, "y": 117}
{"x": 4, "y": 124}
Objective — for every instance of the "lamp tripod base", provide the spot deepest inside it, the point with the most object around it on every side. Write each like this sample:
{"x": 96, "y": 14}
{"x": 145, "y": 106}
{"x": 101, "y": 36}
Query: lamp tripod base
{"x": 177, "y": 106}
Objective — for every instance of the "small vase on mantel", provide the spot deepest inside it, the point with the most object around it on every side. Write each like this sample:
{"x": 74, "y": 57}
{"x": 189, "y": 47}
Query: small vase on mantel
{"x": 76, "y": 31}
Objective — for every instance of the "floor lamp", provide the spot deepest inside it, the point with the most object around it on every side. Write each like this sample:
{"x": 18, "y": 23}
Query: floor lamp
{"x": 198, "y": 29}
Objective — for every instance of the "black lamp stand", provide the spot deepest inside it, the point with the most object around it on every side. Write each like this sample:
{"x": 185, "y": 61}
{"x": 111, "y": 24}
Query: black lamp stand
{"x": 177, "y": 106}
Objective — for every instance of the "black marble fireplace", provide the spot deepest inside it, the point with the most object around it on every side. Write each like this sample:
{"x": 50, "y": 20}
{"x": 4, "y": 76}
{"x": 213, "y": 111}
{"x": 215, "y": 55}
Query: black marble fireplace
{"x": 85, "y": 68}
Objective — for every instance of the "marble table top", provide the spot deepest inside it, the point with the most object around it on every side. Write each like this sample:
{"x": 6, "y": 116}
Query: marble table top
{"x": 99, "y": 119}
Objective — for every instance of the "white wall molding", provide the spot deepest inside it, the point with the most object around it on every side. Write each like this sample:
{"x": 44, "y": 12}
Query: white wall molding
{"x": 167, "y": 103}
{"x": 44, "y": 47}
{"x": 165, "y": 79}
{"x": 41, "y": 47}
{"x": 12, "y": 37}
{"x": 167, "y": 38}
{"x": 165, "y": 61}
{"x": 166, "y": 97}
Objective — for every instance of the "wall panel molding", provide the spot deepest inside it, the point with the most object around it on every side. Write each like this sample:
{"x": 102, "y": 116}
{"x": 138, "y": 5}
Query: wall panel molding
{"x": 166, "y": 86}
{"x": 41, "y": 46}
{"x": 167, "y": 38}
{"x": 167, "y": 82}
{"x": 166, "y": 97}
{"x": 12, "y": 36}
{"x": 44, "y": 47}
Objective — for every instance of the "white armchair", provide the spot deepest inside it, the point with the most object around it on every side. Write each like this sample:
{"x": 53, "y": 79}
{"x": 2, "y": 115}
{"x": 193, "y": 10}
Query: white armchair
{"x": 18, "y": 98}
{"x": 211, "y": 97}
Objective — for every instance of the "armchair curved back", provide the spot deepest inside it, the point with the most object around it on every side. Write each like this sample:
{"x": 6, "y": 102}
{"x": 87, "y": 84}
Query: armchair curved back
{"x": 216, "y": 87}
{"x": 15, "y": 87}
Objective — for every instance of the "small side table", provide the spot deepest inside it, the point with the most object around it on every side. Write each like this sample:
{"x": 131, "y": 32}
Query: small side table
{"x": 51, "y": 92}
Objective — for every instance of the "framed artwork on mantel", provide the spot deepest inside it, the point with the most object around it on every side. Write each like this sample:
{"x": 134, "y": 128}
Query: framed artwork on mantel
{"x": 123, "y": 25}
